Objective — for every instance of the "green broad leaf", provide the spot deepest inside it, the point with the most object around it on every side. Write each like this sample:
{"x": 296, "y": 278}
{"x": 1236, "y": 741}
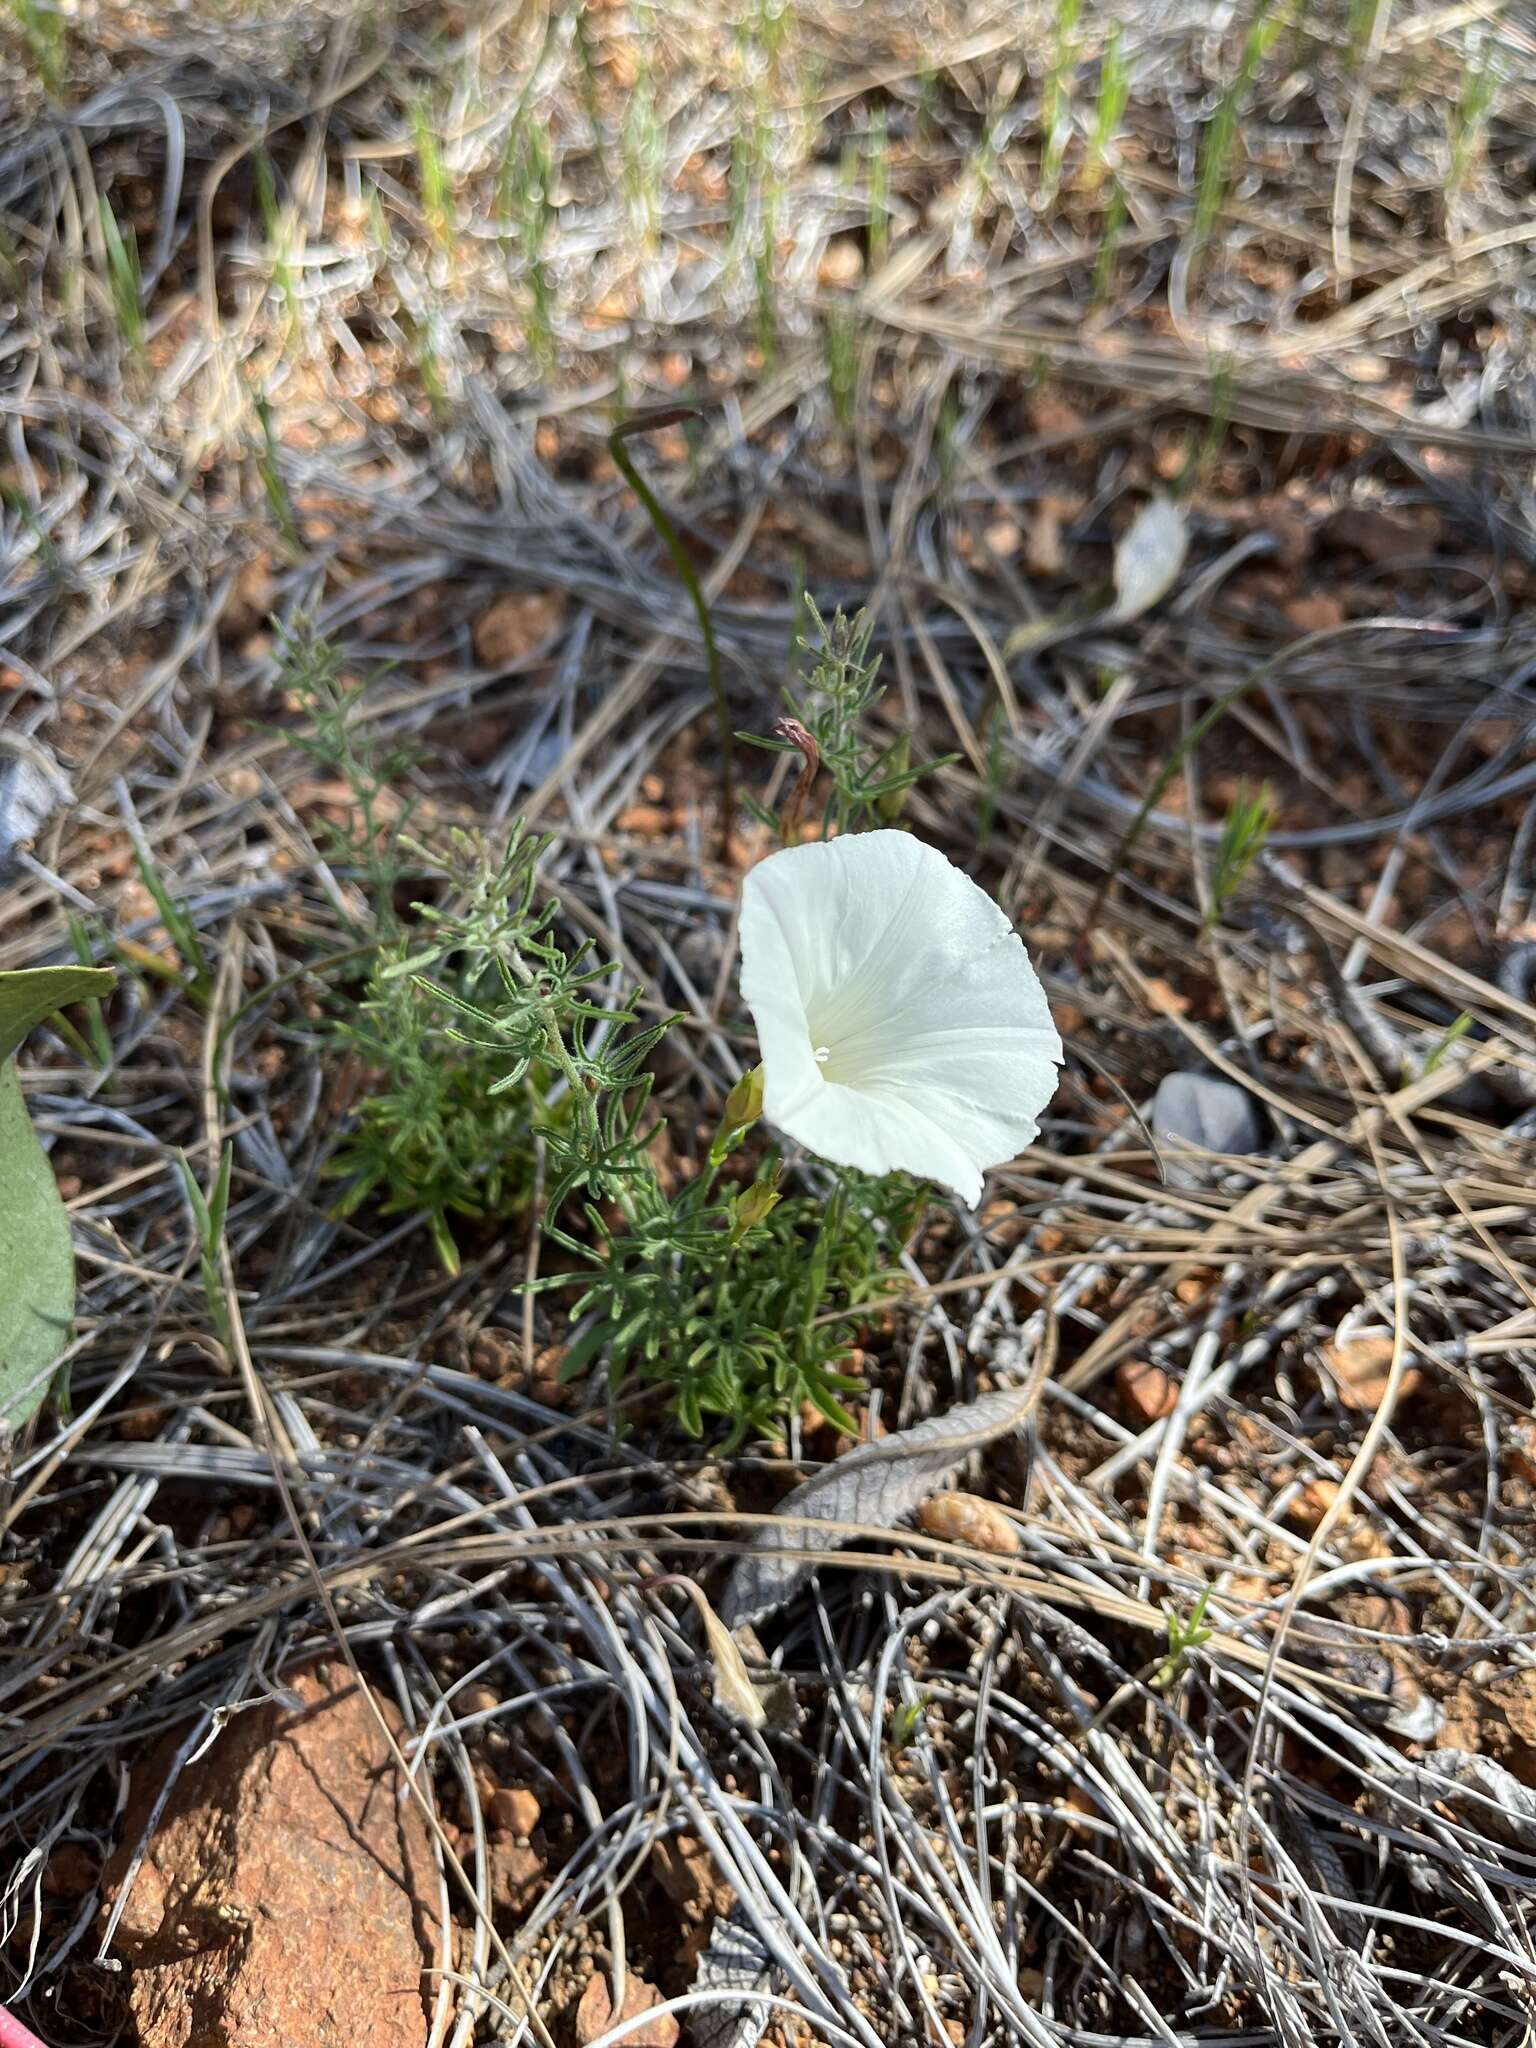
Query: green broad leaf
{"x": 37, "y": 1260}
{"x": 30, "y": 994}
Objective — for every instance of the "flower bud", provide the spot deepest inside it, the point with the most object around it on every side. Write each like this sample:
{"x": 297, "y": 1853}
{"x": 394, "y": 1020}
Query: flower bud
{"x": 754, "y": 1205}
{"x": 744, "y": 1104}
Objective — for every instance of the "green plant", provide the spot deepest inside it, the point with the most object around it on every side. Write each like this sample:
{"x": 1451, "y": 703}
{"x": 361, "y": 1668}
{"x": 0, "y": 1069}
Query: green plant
{"x": 643, "y": 155}
{"x": 1363, "y": 15}
{"x": 195, "y": 974}
{"x": 1244, "y": 832}
{"x": 275, "y": 228}
{"x": 1109, "y": 244}
{"x": 993, "y": 732}
{"x": 368, "y": 843}
{"x": 124, "y": 278}
{"x": 447, "y": 1128}
{"x": 717, "y": 1290}
{"x": 279, "y": 503}
{"x": 547, "y": 1035}
{"x": 840, "y": 344}
{"x": 1056, "y": 115}
{"x": 1456, "y": 1030}
{"x": 42, "y": 31}
{"x": 98, "y": 1039}
{"x": 667, "y": 533}
{"x": 906, "y": 1720}
{"x": 208, "y": 1213}
{"x": 1186, "y": 1632}
{"x": 1114, "y": 93}
{"x": 829, "y": 707}
{"x": 434, "y": 182}
{"x": 878, "y": 153}
{"x": 718, "y": 1294}
{"x": 1469, "y": 117}
{"x": 1216, "y": 151}
{"x": 523, "y": 201}
{"x": 37, "y": 1264}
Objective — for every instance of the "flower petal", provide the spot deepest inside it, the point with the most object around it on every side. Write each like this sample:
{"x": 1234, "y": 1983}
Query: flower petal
{"x": 901, "y": 1024}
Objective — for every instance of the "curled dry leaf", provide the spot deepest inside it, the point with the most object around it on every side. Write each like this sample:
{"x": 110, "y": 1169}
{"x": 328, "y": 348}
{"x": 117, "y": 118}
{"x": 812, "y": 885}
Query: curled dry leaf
{"x": 734, "y": 1689}
{"x": 736, "y": 1961}
{"x": 877, "y": 1485}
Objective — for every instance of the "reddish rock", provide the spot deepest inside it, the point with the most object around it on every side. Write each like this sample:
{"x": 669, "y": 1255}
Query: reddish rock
{"x": 282, "y": 1902}
{"x": 1146, "y": 1390}
{"x": 514, "y": 1808}
{"x": 1361, "y": 1366}
{"x": 594, "y": 2015}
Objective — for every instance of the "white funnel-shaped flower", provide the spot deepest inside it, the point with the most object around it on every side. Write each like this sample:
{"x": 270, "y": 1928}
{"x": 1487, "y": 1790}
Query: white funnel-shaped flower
{"x": 902, "y": 1027}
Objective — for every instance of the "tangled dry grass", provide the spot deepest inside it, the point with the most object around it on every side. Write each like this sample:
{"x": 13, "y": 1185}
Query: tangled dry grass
{"x": 1235, "y": 1745}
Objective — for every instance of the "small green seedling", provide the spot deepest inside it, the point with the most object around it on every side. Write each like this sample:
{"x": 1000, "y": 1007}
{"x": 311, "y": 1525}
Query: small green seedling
{"x": 906, "y": 1721}
{"x": 1244, "y": 833}
{"x": 208, "y": 1213}
{"x": 1457, "y": 1029}
{"x": 1186, "y": 1632}
{"x": 125, "y": 279}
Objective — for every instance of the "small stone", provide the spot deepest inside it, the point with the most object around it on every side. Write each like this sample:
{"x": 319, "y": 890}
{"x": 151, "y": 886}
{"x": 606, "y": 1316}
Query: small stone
{"x": 646, "y": 821}
{"x": 841, "y": 264}
{"x": 1315, "y": 613}
{"x": 1314, "y": 1501}
{"x": 1198, "y": 1109}
{"x": 594, "y": 2015}
{"x": 1145, "y": 1389}
{"x": 1520, "y": 1451}
{"x": 511, "y": 628}
{"x": 1166, "y": 999}
{"x": 1360, "y": 1367}
{"x": 514, "y": 1808}
{"x": 491, "y": 1353}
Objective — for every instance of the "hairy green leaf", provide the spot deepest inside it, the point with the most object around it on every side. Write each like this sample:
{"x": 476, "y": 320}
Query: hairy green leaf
{"x": 30, "y": 994}
{"x": 37, "y": 1262}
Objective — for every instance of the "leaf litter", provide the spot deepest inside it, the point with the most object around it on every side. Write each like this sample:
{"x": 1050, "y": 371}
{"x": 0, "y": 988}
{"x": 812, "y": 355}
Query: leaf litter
{"x": 985, "y": 1819}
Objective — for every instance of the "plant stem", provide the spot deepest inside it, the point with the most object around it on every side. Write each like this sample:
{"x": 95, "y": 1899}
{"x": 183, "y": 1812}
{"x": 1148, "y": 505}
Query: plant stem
{"x": 647, "y": 423}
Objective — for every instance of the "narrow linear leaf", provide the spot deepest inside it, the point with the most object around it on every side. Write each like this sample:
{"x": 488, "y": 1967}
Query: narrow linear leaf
{"x": 877, "y": 1485}
{"x": 29, "y": 994}
{"x": 37, "y": 1260}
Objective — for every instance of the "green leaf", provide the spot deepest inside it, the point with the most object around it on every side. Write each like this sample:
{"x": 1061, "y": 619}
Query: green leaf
{"x": 29, "y": 994}
{"x": 37, "y": 1261}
